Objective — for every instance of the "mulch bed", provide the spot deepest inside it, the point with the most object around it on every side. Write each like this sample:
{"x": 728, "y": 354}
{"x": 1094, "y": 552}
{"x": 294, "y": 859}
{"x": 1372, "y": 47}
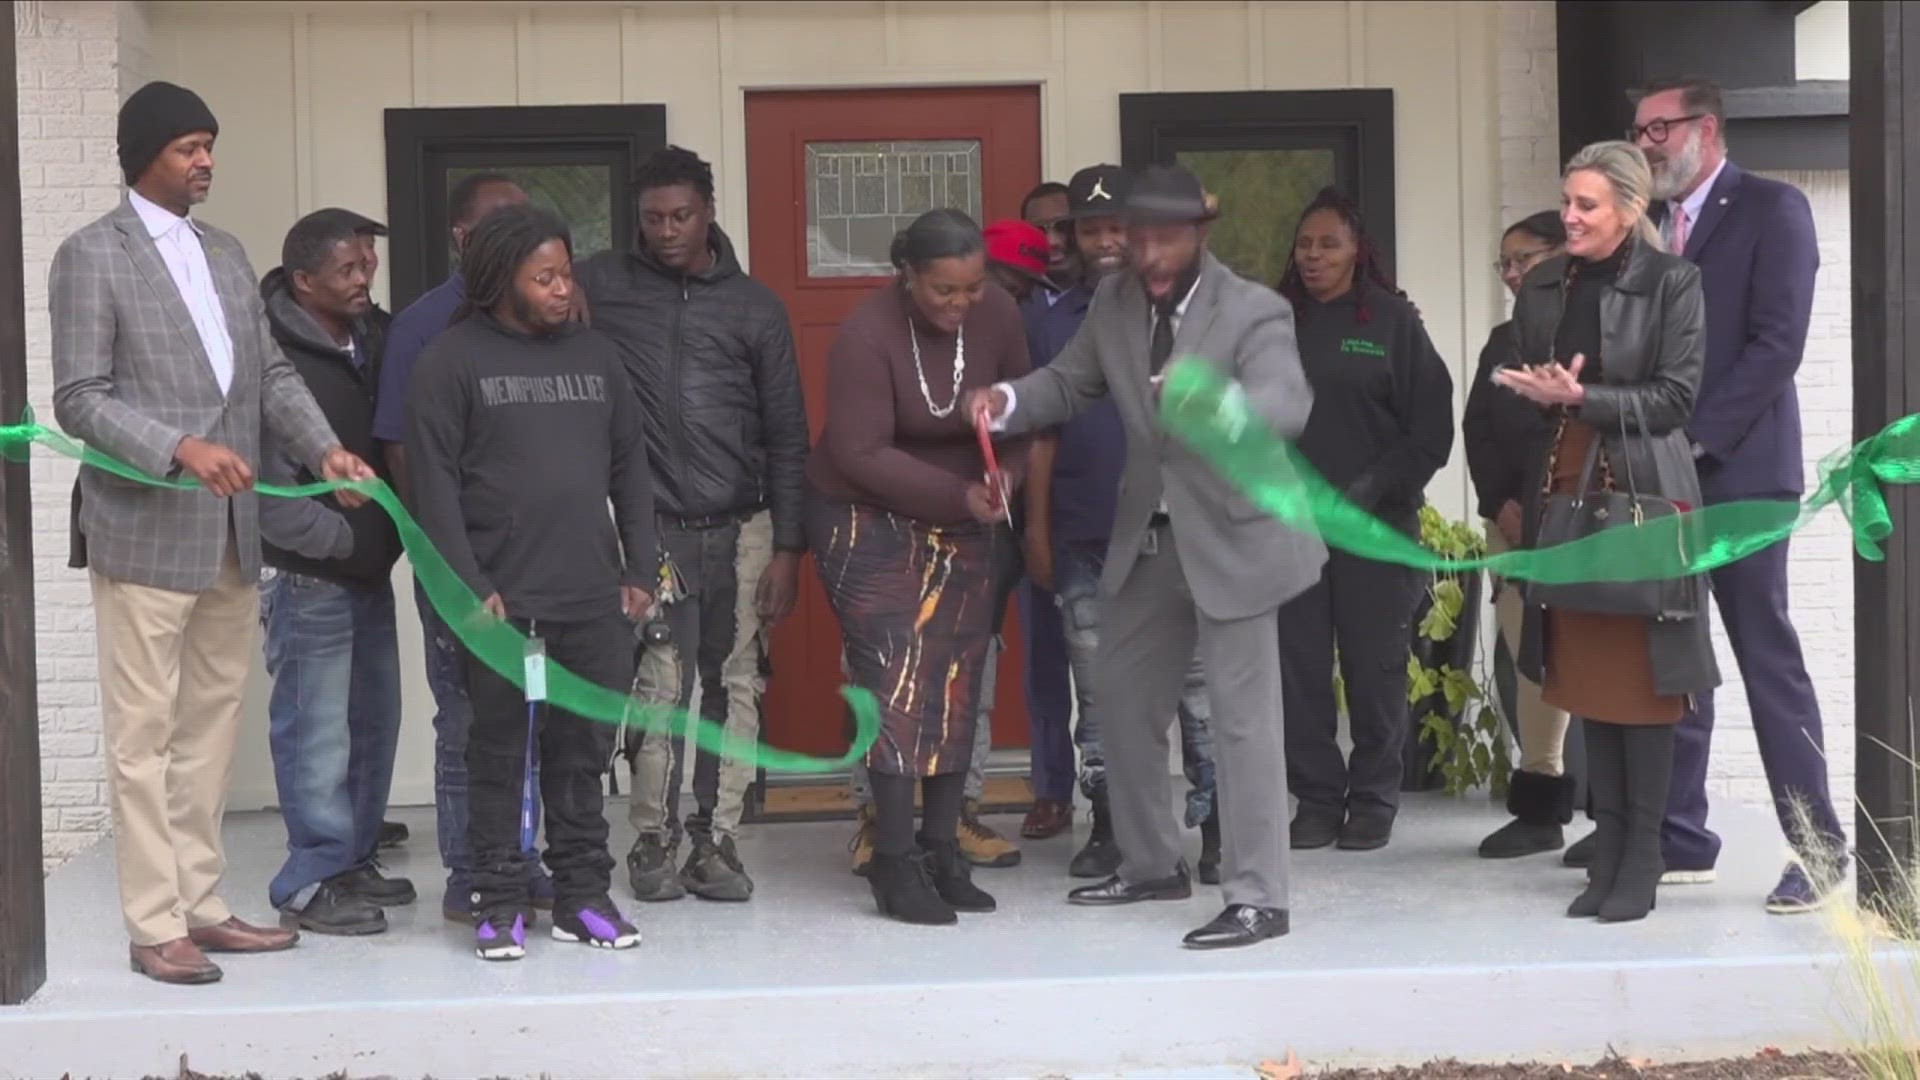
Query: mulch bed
{"x": 1769, "y": 1065}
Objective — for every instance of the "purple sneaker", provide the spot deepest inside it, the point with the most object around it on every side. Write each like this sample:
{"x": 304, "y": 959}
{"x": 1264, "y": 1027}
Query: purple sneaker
{"x": 596, "y": 922}
{"x": 496, "y": 939}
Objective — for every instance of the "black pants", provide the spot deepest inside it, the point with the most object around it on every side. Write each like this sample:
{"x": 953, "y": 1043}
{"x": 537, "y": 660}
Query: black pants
{"x": 573, "y": 753}
{"x": 1366, "y": 608}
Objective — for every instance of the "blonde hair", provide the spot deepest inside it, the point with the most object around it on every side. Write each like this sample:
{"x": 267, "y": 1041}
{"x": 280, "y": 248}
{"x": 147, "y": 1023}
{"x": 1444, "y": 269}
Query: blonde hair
{"x": 1625, "y": 169}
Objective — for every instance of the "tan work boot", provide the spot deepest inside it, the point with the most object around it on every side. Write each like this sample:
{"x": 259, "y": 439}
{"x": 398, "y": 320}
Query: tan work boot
{"x": 980, "y": 844}
{"x": 862, "y": 843}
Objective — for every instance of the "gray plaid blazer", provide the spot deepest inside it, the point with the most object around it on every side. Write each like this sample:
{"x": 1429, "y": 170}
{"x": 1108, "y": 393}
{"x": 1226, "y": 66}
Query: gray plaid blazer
{"x": 131, "y": 379}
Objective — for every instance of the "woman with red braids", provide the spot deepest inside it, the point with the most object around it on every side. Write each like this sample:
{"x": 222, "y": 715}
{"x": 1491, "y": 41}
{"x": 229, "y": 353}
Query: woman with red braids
{"x": 1381, "y": 426}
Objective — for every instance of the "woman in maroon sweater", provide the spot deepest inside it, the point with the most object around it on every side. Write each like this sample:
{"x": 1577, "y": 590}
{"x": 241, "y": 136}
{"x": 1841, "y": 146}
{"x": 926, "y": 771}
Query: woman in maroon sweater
{"x": 902, "y": 525}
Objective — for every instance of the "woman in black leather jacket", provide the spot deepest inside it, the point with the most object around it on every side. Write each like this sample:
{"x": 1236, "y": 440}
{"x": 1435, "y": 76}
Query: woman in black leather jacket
{"x": 1611, "y": 338}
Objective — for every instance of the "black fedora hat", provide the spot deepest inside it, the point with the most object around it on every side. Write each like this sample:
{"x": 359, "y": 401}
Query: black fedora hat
{"x": 1168, "y": 193}
{"x": 1096, "y": 191}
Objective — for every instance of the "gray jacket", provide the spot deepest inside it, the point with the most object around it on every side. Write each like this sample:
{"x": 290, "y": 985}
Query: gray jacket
{"x": 1239, "y": 561}
{"x": 1652, "y": 347}
{"x": 131, "y": 379}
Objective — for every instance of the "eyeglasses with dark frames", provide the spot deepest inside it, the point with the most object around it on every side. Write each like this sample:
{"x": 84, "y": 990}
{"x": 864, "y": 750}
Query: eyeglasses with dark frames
{"x": 1658, "y": 129}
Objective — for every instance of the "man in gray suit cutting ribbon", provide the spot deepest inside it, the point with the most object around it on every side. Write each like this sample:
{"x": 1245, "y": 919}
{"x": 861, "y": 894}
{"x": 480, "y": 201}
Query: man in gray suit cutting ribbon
{"x": 1192, "y": 562}
{"x": 162, "y": 358}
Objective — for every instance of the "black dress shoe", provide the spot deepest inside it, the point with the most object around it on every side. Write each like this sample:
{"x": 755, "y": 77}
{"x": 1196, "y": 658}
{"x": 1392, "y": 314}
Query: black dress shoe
{"x": 1115, "y": 890}
{"x": 1366, "y": 830}
{"x": 1239, "y": 924}
{"x": 1315, "y": 826}
{"x": 392, "y": 834}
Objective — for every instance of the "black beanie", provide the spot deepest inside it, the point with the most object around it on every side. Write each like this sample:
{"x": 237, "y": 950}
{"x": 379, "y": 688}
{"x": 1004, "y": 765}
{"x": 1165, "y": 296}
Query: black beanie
{"x": 154, "y": 116}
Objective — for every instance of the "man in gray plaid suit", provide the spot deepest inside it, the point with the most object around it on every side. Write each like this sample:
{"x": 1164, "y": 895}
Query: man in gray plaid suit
{"x": 163, "y": 358}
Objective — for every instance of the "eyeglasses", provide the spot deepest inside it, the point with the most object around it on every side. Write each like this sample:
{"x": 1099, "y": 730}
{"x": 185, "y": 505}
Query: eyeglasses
{"x": 1518, "y": 262}
{"x": 1658, "y": 130}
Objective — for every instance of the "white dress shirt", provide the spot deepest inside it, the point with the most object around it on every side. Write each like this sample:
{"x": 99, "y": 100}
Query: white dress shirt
{"x": 1691, "y": 206}
{"x": 178, "y": 239}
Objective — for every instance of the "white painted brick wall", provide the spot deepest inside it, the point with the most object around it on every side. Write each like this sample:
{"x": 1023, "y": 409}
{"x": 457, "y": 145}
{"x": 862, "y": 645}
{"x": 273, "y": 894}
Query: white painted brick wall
{"x": 74, "y": 65}
{"x": 1529, "y": 111}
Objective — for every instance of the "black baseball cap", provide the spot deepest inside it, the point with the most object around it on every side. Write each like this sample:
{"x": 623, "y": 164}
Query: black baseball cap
{"x": 1096, "y": 191}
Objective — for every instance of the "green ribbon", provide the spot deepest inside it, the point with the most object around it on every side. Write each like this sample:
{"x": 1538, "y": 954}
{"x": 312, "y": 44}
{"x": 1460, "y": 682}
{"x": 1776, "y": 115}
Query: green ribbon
{"x": 1210, "y": 414}
{"x": 497, "y": 644}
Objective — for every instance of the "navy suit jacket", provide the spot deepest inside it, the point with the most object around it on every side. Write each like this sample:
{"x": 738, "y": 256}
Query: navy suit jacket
{"x": 1755, "y": 246}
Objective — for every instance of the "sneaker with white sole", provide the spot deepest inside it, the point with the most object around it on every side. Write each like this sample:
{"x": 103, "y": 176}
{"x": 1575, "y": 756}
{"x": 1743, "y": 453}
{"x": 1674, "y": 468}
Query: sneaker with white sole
{"x": 596, "y": 922}
{"x": 1690, "y": 877}
{"x": 496, "y": 937}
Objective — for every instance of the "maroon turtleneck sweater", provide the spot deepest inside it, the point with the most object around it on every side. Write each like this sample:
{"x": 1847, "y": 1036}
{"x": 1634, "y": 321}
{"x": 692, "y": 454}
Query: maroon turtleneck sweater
{"x": 882, "y": 446}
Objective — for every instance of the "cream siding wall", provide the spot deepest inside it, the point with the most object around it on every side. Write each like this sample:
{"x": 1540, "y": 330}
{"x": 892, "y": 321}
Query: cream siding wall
{"x": 300, "y": 89}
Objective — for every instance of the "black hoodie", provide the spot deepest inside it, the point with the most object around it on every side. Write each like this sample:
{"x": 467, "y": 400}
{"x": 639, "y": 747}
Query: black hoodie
{"x": 1382, "y": 420}
{"x": 316, "y": 537}
{"x": 711, "y": 356}
{"x": 516, "y": 444}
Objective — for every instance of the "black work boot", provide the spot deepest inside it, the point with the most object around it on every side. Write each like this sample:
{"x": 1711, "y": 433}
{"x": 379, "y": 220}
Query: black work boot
{"x": 1541, "y": 805}
{"x": 650, "y": 868}
{"x": 1209, "y": 866}
{"x": 714, "y": 871}
{"x": 1101, "y": 857}
{"x": 338, "y": 910}
{"x": 953, "y": 877}
{"x": 903, "y": 890}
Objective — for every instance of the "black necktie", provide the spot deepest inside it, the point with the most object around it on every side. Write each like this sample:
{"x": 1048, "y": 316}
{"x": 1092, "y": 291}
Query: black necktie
{"x": 1162, "y": 347}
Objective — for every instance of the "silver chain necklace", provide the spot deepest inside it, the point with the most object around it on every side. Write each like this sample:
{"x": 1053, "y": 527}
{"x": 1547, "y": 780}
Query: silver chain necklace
{"x": 959, "y": 371}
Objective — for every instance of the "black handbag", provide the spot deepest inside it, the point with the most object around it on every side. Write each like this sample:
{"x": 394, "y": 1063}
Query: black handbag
{"x": 1576, "y": 515}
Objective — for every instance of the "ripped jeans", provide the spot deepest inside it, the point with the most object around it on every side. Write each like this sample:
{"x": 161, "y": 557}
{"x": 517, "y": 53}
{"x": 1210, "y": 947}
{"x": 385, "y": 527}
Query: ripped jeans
{"x": 1076, "y": 573}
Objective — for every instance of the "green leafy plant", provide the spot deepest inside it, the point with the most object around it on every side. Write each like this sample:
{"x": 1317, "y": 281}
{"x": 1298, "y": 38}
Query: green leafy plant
{"x": 1475, "y": 750}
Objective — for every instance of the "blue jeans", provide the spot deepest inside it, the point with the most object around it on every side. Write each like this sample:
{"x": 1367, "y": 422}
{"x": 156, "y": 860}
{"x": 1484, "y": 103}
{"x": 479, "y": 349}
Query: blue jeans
{"x": 452, "y": 718}
{"x": 334, "y": 715}
{"x": 1076, "y": 579}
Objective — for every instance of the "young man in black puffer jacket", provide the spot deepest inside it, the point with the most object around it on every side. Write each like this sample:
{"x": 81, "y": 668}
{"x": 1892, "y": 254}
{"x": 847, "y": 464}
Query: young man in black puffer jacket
{"x": 331, "y": 642}
{"x": 710, "y": 351}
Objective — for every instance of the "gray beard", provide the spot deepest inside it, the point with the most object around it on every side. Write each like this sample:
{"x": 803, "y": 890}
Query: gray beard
{"x": 1671, "y": 177}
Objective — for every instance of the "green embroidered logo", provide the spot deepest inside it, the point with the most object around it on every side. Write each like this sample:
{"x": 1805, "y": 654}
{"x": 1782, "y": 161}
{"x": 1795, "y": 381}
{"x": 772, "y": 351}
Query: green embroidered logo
{"x": 1362, "y": 347}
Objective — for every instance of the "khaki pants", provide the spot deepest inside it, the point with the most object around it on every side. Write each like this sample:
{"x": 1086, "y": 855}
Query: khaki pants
{"x": 173, "y": 674}
{"x": 1543, "y": 728}
{"x": 718, "y": 640}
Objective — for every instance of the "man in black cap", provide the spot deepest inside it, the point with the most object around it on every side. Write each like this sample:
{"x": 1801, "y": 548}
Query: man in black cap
{"x": 332, "y": 645}
{"x": 163, "y": 358}
{"x": 1192, "y": 562}
{"x": 1073, "y": 485}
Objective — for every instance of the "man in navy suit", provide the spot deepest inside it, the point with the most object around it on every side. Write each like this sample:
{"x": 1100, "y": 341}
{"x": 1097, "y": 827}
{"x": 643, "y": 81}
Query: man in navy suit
{"x": 1753, "y": 240}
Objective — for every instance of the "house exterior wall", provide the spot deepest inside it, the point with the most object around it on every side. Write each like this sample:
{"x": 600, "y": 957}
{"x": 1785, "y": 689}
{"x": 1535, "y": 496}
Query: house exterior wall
{"x": 300, "y": 89}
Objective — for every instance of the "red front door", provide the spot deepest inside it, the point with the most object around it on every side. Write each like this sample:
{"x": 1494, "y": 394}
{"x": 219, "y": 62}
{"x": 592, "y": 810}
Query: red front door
{"x": 831, "y": 176}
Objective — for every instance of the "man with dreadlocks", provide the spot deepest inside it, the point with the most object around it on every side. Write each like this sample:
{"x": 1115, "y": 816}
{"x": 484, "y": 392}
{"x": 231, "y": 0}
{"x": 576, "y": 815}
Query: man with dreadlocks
{"x": 521, "y": 428}
{"x": 1382, "y": 425}
{"x": 710, "y": 353}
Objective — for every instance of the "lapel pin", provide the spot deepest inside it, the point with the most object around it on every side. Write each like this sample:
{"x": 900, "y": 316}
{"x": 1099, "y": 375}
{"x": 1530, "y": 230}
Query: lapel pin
{"x": 1723, "y": 200}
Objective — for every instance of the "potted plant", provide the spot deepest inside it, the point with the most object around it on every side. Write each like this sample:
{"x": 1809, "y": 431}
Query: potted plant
{"x": 1457, "y": 741}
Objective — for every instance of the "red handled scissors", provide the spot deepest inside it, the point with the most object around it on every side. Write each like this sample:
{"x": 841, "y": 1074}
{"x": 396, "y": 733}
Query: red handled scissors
{"x": 996, "y": 479}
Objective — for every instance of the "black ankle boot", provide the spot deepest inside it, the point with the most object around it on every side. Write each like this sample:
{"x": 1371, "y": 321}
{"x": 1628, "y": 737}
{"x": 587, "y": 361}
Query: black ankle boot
{"x": 1540, "y": 805}
{"x": 953, "y": 877}
{"x": 903, "y": 889}
{"x": 1607, "y": 791}
{"x": 1209, "y": 866}
{"x": 1101, "y": 857}
{"x": 1649, "y": 772}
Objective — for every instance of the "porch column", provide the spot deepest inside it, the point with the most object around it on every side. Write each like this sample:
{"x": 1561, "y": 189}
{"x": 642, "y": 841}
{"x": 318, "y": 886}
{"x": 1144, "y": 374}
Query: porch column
{"x": 23, "y": 912}
{"x": 1885, "y": 162}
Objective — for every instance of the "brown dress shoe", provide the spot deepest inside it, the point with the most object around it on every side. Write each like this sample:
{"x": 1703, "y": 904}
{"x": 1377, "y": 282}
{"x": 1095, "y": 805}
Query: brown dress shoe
{"x": 234, "y": 936}
{"x": 1047, "y": 818}
{"x": 179, "y": 961}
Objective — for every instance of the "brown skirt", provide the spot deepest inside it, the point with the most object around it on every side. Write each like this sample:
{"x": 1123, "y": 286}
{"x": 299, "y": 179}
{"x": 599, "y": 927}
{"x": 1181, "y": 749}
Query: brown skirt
{"x": 915, "y": 606}
{"x": 1599, "y": 667}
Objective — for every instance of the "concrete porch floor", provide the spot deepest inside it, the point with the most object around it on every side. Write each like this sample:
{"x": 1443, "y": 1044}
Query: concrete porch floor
{"x": 1417, "y": 951}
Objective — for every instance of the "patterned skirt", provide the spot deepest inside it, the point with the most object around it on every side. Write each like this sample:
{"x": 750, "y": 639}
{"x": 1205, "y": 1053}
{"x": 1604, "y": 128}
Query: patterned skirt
{"x": 915, "y": 606}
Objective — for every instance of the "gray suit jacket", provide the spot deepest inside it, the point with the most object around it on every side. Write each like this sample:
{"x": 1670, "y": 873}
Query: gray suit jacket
{"x": 1239, "y": 561}
{"x": 131, "y": 379}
